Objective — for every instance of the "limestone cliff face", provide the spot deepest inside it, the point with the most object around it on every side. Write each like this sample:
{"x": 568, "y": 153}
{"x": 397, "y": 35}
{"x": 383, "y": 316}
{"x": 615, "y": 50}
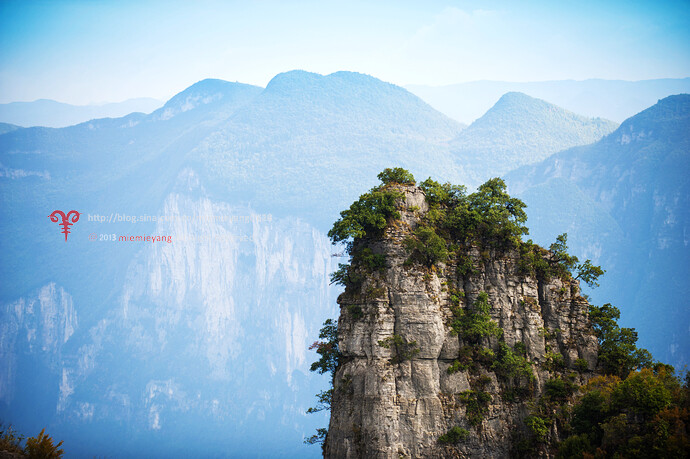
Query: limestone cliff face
{"x": 38, "y": 325}
{"x": 390, "y": 403}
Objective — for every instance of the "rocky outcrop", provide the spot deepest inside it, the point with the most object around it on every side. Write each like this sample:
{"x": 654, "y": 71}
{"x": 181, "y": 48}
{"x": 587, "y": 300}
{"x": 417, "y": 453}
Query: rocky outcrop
{"x": 394, "y": 396}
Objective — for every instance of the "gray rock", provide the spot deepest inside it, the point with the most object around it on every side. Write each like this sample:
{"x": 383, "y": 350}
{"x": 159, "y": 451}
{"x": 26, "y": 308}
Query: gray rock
{"x": 383, "y": 408}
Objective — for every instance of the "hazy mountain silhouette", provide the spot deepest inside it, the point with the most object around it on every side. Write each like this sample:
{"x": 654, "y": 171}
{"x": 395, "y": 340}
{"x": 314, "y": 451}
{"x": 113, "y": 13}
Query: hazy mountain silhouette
{"x": 49, "y": 113}
{"x": 520, "y": 130}
{"x": 616, "y": 100}
{"x": 638, "y": 178}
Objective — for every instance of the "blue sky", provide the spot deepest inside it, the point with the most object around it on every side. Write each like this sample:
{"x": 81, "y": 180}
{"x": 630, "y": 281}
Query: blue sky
{"x": 94, "y": 51}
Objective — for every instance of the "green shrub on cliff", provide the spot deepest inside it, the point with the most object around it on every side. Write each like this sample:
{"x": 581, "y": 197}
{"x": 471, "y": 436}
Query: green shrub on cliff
{"x": 446, "y": 194}
{"x": 402, "y": 349}
{"x": 328, "y": 362}
{"x": 327, "y": 348}
{"x": 366, "y": 217}
{"x": 454, "y": 435}
{"x": 475, "y": 324}
{"x": 618, "y": 351}
{"x": 567, "y": 264}
{"x": 426, "y": 247}
{"x": 490, "y": 216}
{"x": 476, "y": 405}
{"x": 510, "y": 365}
{"x": 556, "y": 262}
{"x": 396, "y": 175}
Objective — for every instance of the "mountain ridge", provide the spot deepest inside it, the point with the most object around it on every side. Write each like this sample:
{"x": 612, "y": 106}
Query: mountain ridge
{"x": 519, "y": 130}
{"x": 613, "y": 99}
{"x": 636, "y": 175}
{"x": 54, "y": 114}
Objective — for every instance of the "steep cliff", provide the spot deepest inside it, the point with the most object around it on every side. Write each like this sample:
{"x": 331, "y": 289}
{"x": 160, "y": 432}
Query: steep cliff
{"x": 425, "y": 372}
{"x": 37, "y": 326}
{"x": 207, "y": 333}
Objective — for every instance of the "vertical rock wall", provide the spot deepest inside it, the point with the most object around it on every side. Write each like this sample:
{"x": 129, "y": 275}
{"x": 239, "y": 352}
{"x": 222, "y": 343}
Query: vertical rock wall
{"x": 392, "y": 403}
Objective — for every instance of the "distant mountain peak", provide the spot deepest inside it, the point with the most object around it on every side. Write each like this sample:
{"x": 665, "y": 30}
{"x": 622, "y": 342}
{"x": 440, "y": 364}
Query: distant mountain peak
{"x": 209, "y": 84}
{"x": 292, "y": 79}
{"x": 356, "y": 77}
{"x": 525, "y": 104}
{"x": 609, "y": 99}
{"x": 668, "y": 108}
{"x": 296, "y": 79}
{"x": 518, "y": 111}
{"x": 207, "y": 89}
{"x": 669, "y": 117}
{"x": 520, "y": 129}
{"x": 343, "y": 92}
{"x": 205, "y": 92}
{"x": 516, "y": 96}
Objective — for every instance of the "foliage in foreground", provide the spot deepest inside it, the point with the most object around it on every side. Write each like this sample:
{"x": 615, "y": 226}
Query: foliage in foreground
{"x": 635, "y": 408}
{"x": 10, "y": 440}
{"x": 645, "y": 415}
{"x": 38, "y": 447}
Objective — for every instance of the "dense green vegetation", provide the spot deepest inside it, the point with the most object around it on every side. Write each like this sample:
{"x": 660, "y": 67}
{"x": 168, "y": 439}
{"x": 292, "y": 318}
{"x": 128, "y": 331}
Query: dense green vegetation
{"x": 454, "y": 435}
{"x": 366, "y": 217}
{"x": 635, "y": 408}
{"x": 396, "y": 175}
{"x": 475, "y": 324}
{"x": 488, "y": 217}
{"x": 426, "y": 247}
{"x": 618, "y": 352}
{"x": 511, "y": 364}
{"x": 645, "y": 415}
